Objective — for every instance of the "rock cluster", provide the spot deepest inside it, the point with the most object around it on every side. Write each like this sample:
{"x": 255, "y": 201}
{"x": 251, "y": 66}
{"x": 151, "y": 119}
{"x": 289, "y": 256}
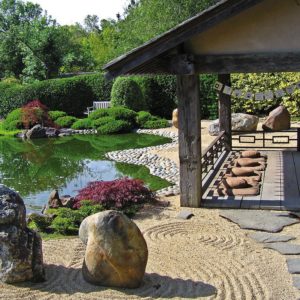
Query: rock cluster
{"x": 21, "y": 256}
{"x": 116, "y": 251}
{"x": 56, "y": 201}
{"x": 38, "y": 131}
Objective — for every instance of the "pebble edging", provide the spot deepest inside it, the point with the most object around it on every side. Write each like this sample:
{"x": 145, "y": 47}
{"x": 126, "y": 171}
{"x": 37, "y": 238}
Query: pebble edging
{"x": 158, "y": 166}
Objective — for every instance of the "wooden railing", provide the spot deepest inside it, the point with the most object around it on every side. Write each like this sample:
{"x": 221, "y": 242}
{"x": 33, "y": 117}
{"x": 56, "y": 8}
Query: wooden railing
{"x": 213, "y": 154}
{"x": 287, "y": 139}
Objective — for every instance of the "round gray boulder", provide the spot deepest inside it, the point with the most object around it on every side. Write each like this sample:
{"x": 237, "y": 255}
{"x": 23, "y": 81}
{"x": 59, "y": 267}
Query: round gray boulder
{"x": 239, "y": 122}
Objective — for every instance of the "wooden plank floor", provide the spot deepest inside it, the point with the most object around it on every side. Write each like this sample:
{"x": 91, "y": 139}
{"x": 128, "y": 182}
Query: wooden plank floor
{"x": 280, "y": 185}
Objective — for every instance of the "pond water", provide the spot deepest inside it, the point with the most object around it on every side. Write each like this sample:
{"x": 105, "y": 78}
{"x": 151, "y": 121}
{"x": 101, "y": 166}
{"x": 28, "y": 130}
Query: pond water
{"x": 34, "y": 168}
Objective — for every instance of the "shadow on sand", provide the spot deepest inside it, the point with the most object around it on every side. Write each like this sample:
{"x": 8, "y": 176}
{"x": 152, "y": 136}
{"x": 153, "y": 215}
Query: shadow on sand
{"x": 69, "y": 280}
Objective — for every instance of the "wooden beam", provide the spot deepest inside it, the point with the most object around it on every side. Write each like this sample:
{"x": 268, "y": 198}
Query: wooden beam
{"x": 225, "y": 111}
{"x": 178, "y": 35}
{"x": 248, "y": 63}
{"x": 189, "y": 140}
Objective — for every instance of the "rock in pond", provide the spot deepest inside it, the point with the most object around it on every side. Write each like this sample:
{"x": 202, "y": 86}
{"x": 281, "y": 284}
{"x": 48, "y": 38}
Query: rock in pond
{"x": 116, "y": 253}
{"x": 239, "y": 122}
{"x": 21, "y": 256}
{"x": 37, "y": 131}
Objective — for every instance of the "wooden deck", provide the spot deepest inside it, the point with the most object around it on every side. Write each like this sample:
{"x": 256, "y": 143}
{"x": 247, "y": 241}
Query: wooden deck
{"x": 280, "y": 185}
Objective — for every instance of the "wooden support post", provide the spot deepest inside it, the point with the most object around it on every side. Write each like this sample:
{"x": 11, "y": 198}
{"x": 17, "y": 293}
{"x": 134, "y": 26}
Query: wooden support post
{"x": 298, "y": 139}
{"x": 189, "y": 129}
{"x": 225, "y": 111}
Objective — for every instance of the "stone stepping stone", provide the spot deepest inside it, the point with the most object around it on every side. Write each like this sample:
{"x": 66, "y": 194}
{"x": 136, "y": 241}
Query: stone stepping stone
{"x": 265, "y": 237}
{"x": 259, "y": 219}
{"x": 284, "y": 248}
{"x": 293, "y": 265}
{"x": 296, "y": 282}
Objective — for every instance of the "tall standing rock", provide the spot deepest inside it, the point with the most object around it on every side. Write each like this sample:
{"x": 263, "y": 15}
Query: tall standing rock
{"x": 175, "y": 118}
{"x": 116, "y": 253}
{"x": 278, "y": 119}
{"x": 21, "y": 256}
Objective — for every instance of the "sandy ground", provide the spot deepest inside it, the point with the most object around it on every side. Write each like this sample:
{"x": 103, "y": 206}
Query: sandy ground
{"x": 205, "y": 257}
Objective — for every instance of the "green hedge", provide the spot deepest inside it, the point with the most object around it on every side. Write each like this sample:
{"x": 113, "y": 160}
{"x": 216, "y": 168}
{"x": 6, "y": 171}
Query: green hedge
{"x": 71, "y": 95}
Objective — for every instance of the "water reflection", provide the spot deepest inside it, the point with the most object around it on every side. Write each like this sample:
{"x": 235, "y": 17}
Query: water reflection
{"x": 34, "y": 168}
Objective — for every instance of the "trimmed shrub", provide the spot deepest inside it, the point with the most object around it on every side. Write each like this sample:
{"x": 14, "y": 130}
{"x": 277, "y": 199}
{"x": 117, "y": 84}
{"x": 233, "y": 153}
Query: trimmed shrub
{"x": 115, "y": 126}
{"x": 55, "y": 114}
{"x": 85, "y": 123}
{"x": 122, "y": 113}
{"x": 144, "y": 116}
{"x": 126, "y": 92}
{"x": 13, "y": 120}
{"x": 66, "y": 121}
{"x": 102, "y": 121}
{"x": 72, "y": 95}
{"x": 67, "y": 220}
{"x": 153, "y": 124}
{"x": 117, "y": 194}
{"x": 99, "y": 113}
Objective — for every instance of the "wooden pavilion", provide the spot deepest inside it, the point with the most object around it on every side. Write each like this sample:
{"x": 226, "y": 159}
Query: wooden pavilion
{"x": 234, "y": 36}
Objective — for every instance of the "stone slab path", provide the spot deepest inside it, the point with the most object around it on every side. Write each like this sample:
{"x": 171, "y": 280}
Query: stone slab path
{"x": 259, "y": 220}
{"x": 271, "y": 222}
{"x": 265, "y": 237}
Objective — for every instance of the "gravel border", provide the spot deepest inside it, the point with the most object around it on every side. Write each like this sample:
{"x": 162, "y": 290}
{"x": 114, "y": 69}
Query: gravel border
{"x": 158, "y": 166}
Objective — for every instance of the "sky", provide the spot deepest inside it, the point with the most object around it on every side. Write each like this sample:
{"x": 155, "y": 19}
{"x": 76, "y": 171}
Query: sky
{"x": 68, "y": 12}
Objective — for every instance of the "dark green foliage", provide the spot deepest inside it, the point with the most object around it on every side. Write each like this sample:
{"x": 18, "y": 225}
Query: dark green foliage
{"x": 98, "y": 113}
{"x": 142, "y": 117}
{"x": 126, "y": 92}
{"x": 116, "y": 126}
{"x": 55, "y": 114}
{"x": 145, "y": 120}
{"x": 71, "y": 95}
{"x": 67, "y": 220}
{"x": 209, "y": 98}
{"x": 153, "y": 124}
{"x": 122, "y": 113}
{"x": 159, "y": 93}
{"x": 40, "y": 222}
{"x": 85, "y": 123}
{"x": 13, "y": 120}
{"x": 102, "y": 121}
{"x": 66, "y": 121}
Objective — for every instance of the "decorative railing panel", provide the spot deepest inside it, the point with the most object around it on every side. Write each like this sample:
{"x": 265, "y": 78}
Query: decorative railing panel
{"x": 212, "y": 154}
{"x": 267, "y": 140}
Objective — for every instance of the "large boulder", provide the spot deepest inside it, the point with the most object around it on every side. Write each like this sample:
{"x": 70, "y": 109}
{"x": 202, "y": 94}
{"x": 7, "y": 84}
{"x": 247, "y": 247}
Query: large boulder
{"x": 37, "y": 131}
{"x": 21, "y": 256}
{"x": 239, "y": 122}
{"x": 116, "y": 253}
{"x": 175, "y": 118}
{"x": 54, "y": 200}
{"x": 278, "y": 119}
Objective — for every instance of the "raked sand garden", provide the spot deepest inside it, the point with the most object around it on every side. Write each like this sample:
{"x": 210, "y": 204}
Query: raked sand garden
{"x": 205, "y": 257}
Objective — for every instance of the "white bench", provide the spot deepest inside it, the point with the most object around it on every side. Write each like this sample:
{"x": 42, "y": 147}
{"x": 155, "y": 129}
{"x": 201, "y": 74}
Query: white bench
{"x": 97, "y": 105}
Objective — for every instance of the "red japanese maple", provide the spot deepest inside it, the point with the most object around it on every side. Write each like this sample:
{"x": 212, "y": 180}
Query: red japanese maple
{"x": 116, "y": 194}
{"x": 34, "y": 112}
